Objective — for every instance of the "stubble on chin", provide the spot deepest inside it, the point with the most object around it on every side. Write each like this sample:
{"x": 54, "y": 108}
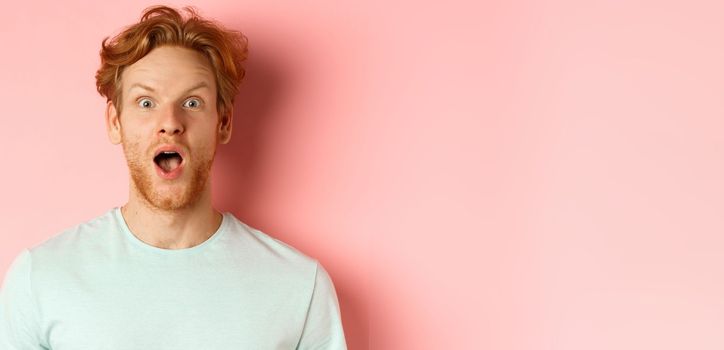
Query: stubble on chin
{"x": 143, "y": 175}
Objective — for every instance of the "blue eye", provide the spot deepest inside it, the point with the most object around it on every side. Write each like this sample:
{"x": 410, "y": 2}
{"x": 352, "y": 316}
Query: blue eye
{"x": 192, "y": 103}
{"x": 145, "y": 103}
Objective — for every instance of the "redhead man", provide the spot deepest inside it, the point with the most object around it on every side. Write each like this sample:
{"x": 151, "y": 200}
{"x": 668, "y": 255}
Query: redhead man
{"x": 167, "y": 270}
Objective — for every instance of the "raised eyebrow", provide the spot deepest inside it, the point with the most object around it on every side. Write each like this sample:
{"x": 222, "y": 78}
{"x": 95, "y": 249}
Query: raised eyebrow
{"x": 139, "y": 85}
{"x": 200, "y": 85}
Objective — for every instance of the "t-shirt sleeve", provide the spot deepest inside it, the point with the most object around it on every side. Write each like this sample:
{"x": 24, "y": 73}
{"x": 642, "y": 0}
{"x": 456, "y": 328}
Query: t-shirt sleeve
{"x": 323, "y": 327}
{"x": 18, "y": 311}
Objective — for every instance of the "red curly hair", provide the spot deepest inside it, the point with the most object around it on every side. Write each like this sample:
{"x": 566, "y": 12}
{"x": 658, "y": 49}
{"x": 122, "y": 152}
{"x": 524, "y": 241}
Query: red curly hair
{"x": 162, "y": 25}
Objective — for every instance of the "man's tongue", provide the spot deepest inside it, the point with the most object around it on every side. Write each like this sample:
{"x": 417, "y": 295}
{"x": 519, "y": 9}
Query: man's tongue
{"x": 168, "y": 164}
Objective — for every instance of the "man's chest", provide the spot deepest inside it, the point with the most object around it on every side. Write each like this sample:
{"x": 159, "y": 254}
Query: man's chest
{"x": 173, "y": 311}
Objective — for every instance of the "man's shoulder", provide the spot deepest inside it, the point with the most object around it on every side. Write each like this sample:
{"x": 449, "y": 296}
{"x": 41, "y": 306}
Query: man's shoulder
{"x": 103, "y": 238}
{"x": 70, "y": 239}
{"x": 262, "y": 247}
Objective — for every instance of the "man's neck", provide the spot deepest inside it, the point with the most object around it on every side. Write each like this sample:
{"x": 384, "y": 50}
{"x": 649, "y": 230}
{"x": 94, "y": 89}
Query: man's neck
{"x": 176, "y": 229}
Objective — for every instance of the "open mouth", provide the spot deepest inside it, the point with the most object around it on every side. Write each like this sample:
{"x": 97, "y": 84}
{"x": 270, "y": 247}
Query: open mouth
{"x": 168, "y": 161}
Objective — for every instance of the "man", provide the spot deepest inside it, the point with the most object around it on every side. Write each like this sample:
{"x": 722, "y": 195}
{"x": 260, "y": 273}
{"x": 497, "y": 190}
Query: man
{"x": 166, "y": 270}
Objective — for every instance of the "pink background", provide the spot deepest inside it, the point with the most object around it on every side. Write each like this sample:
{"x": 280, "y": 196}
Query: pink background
{"x": 498, "y": 175}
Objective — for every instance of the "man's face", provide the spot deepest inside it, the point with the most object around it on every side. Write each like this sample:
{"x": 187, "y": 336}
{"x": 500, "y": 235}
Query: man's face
{"x": 169, "y": 99}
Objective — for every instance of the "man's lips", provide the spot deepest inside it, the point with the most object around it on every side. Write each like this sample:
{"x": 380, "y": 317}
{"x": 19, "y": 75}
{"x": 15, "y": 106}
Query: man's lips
{"x": 169, "y": 148}
{"x": 162, "y": 161}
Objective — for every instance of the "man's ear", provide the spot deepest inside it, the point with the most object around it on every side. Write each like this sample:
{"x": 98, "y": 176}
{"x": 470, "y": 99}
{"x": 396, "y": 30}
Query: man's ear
{"x": 113, "y": 123}
{"x": 225, "y": 127}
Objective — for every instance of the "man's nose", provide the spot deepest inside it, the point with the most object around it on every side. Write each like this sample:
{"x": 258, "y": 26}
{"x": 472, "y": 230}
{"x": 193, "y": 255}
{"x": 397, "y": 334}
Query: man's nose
{"x": 172, "y": 121}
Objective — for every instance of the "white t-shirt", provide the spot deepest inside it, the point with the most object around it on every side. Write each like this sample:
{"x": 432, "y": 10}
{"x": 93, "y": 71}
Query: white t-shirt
{"x": 97, "y": 286}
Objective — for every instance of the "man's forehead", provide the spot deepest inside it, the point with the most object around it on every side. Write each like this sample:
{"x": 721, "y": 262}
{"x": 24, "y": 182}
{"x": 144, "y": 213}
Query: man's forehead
{"x": 167, "y": 72}
{"x": 169, "y": 66}
{"x": 160, "y": 68}
{"x": 172, "y": 56}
